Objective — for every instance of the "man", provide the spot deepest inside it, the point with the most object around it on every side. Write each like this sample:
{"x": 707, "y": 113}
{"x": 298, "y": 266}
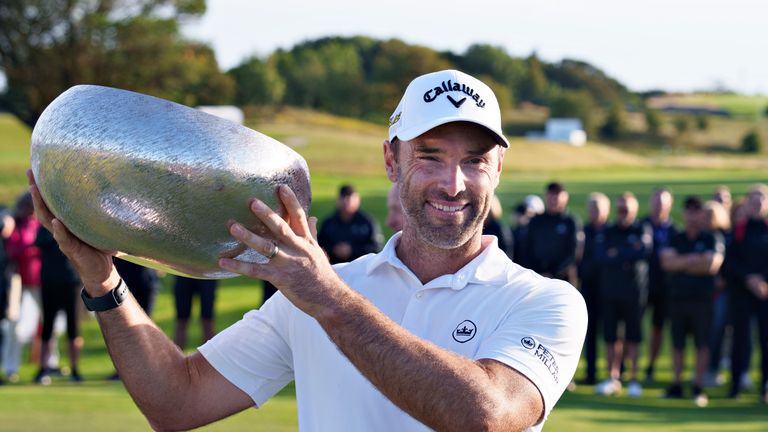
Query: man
{"x": 692, "y": 260}
{"x": 598, "y": 208}
{"x": 7, "y": 226}
{"x": 748, "y": 262}
{"x": 553, "y": 238}
{"x": 394, "y": 209}
{"x": 349, "y": 233}
{"x": 438, "y": 331}
{"x": 623, "y": 258}
{"x": 663, "y": 229}
{"x": 523, "y": 213}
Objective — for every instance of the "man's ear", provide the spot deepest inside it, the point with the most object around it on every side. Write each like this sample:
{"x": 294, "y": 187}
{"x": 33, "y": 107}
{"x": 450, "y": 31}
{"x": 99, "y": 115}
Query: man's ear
{"x": 501, "y": 153}
{"x": 390, "y": 161}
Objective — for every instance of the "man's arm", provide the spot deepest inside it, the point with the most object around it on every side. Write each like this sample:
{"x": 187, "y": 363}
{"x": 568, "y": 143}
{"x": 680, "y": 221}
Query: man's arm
{"x": 173, "y": 391}
{"x": 441, "y": 389}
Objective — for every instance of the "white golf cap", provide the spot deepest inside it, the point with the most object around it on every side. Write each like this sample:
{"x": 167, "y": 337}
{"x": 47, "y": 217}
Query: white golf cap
{"x": 443, "y": 97}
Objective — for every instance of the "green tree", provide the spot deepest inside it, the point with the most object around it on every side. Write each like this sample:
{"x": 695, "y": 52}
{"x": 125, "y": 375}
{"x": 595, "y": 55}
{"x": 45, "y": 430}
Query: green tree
{"x": 752, "y": 142}
{"x": 652, "y": 120}
{"x": 496, "y": 63}
{"x": 615, "y": 126}
{"x": 47, "y": 46}
{"x": 702, "y": 122}
{"x": 257, "y": 82}
{"x": 577, "y": 104}
{"x": 533, "y": 86}
{"x": 682, "y": 124}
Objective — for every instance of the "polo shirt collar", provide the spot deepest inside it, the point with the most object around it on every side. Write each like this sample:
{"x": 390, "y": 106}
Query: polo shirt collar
{"x": 491, "y": 266}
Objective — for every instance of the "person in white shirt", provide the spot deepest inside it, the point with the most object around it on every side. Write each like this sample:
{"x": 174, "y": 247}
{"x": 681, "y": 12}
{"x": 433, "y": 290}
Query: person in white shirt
{"x": 440, "y": 330}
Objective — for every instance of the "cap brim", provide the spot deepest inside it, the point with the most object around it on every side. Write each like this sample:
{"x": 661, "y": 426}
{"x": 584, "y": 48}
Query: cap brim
{"x": 409, "y": 134}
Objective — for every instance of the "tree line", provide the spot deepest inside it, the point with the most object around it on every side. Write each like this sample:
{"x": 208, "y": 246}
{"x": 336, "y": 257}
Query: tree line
{"x": 46, "y": 46}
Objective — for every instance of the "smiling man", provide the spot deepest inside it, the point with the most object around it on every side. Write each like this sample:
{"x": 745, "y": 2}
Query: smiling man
{"x": 440, "y": 330}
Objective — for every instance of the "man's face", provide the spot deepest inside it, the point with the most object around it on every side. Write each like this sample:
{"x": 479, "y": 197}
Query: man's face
{"x": 348, "y": 204}
{"x": 556, "y": 201}
{"x": 626, "y": 211}
{"x": 661, "y": 203}
{"x": 723, "y": 196}
{"x": 447, "y": 177}
{"x": 757, "y": 202}
{"x": 693, "y": 218}
{"x": 597, "y": 213}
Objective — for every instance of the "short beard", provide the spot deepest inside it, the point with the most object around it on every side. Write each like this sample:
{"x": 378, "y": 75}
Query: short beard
{"x": 443, "y": 236}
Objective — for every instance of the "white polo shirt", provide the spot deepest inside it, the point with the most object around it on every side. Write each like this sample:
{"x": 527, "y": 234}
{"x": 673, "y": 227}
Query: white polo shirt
{"x": 492, "y": 308}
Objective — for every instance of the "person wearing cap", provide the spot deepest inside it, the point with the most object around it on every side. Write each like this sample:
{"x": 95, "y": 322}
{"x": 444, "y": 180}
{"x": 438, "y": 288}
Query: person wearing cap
{"x": 531, "y": 206}
{"x": 553, "y": 237}
{"x": 439, "y": 330}
{"x": 349, "y": 233}
{"x": 692, "y": 259}
{"x": 623, "y": 260}
{"x": 598, "y": 209}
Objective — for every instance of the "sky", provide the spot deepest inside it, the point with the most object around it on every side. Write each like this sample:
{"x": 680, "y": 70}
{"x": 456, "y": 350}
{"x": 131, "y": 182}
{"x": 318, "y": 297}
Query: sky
{"x": 675, "y": 45}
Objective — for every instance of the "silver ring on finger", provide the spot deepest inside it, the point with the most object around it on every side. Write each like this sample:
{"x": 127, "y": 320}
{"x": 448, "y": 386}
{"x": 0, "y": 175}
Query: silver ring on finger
{"x": 275, "y": 250}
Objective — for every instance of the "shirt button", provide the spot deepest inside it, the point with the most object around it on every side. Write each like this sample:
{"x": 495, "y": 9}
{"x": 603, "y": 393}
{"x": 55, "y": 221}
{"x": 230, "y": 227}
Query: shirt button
{"x": 419, "y": 295}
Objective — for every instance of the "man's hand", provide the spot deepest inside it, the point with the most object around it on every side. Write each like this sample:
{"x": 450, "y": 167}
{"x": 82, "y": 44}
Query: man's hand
{"x": 95, "y": 267}
{"x": 300, "y": 269}
{"x": 342, "y": 251}
{"x": 756, "y": 283}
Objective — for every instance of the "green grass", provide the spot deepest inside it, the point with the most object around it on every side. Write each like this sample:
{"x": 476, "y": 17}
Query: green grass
{"x": 344, "y": 150}
{"x": 739, "y": 105}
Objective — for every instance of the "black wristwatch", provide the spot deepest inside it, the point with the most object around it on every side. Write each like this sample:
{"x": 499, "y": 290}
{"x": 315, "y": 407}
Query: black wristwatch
{"x": 110, "y": 300}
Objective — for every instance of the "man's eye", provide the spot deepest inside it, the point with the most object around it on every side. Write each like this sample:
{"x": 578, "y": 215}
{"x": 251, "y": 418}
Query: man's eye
{"x": 429, "y": 158}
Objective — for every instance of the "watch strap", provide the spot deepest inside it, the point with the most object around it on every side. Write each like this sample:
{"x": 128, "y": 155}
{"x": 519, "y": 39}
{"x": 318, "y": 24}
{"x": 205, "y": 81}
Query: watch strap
{"x": 110, "y": 300}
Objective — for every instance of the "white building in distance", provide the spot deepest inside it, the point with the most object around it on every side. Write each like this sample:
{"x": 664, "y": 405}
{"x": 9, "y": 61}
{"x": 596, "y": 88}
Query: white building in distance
{"x": 566, "y": 130}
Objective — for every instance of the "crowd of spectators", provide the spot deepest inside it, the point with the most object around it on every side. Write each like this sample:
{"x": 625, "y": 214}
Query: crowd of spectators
{"x": 704, "y": 278}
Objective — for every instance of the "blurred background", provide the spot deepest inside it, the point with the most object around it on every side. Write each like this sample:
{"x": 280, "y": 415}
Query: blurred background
{"x": 599, "y": 95}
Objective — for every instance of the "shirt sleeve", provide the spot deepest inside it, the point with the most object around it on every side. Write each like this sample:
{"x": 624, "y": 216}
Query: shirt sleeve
{"x": 542, "y": 339}
{"x": 254, "y": 353}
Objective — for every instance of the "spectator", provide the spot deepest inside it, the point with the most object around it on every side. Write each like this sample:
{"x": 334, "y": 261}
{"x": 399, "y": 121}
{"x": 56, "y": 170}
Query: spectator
{"x": 25, "y": 259}
{"x": 349, "y": 233}
{"x": 523, "y": 213}
{"x": 718, "y": 220}
{"x": 184, "y": 289}
{"x": 60, "y": 287}
{"x": 598, "y": 208}
{"x": 623, "y": 258}
{"x": 7, "y": 225}
{"x": 552, "y": 238}
{"x": 749, "y": 297}
{"x": 722, "y": 195}
{"x": 494, "y": 227}
{"x": 663, "y": 229}
{"x": 692, "y": 259}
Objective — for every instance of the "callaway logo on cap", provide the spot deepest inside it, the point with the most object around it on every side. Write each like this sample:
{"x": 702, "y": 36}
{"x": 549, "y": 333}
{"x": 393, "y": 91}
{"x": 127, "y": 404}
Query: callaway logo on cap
{"x": 443, "y": 97}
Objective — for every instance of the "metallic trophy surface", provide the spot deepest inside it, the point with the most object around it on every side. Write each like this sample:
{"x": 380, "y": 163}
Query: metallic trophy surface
{"x": 156, "y": 180}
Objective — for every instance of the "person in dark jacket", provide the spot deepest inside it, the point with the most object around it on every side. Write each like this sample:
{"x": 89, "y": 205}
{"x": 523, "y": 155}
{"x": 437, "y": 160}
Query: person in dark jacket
{"x": 60, "y": 286}
{"x": 349, "y": 233}
{"x": 692, "y": 260}
{"x": 623, "y": 258}
{"x": 493, "y": 226}
{"x": 663, "y": 229}
{"x": 6, "y": 228}
{"x": 748, "y": 265}
{"x": 598, "y": 208}
{"x": 553, "y": 237}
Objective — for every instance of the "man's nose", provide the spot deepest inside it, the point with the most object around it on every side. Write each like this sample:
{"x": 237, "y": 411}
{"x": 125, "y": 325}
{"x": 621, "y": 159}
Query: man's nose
{"x": 454, "y": 180}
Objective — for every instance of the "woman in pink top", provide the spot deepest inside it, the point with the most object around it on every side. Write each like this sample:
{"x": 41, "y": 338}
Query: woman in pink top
{"x": 23, "y": 259}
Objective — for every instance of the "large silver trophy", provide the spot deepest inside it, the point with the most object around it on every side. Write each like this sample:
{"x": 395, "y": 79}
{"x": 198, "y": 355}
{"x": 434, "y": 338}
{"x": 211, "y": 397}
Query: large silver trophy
{"x": 156, "y": 180}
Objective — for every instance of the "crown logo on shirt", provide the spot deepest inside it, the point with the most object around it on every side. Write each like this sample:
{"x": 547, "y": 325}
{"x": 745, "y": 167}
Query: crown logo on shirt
{"x": 465, "y": 331}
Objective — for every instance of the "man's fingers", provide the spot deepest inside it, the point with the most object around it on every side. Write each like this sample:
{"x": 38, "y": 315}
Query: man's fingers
{"x": 273, "y": 222}
{"x": 296, "y": 214}
{"x": 243, "y": 268}
{"x": 255, "y": 242}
